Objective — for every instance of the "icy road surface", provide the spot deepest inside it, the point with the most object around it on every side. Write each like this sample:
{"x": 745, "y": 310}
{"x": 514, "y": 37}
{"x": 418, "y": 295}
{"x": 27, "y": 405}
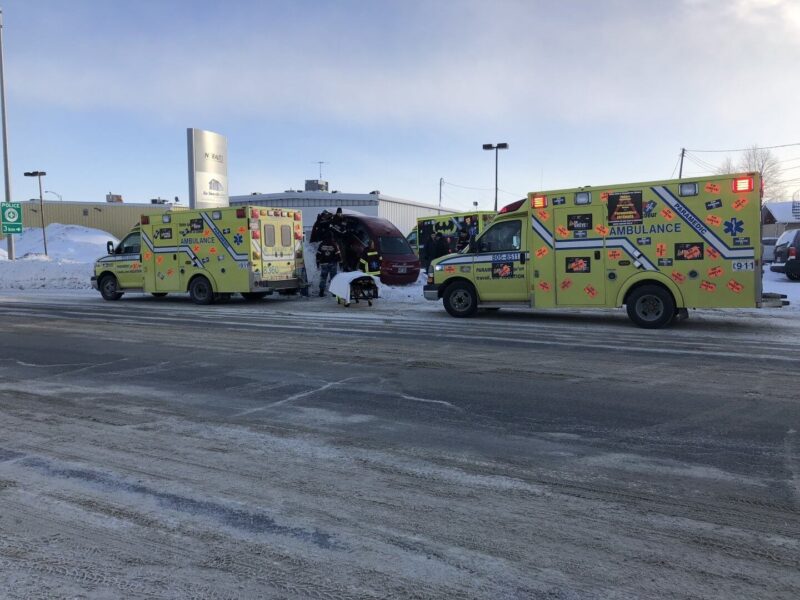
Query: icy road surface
{"x": 296, "y": 449}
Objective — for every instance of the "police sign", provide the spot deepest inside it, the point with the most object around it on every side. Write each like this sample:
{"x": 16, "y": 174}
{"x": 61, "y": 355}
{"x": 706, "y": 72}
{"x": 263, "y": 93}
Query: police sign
{"x": 11, "y": 213}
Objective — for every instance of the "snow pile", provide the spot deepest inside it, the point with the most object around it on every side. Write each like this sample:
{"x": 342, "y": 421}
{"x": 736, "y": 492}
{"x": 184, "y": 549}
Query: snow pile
{"x": 71, "y": 252}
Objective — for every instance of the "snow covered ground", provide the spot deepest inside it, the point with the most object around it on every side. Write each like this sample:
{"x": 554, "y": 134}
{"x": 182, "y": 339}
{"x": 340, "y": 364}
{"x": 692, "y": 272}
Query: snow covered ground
{"x": 72, "y": 250}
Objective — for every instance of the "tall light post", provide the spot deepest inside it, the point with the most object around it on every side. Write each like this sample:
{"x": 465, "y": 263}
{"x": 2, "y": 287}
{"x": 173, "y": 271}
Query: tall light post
{"x": 39, "y": 175}
{"x": 495, "y": 147}
{"x": 60, "y": 199}
{"x": 441, "y": 181}
{"x": 9, "y": 237}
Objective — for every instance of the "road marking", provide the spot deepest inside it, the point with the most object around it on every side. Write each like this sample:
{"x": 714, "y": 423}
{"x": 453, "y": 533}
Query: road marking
{"x": 294, "y": 397}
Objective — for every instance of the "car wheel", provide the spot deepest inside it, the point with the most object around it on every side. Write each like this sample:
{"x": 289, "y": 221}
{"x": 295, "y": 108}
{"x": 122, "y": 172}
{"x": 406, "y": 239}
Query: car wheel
{"x": 200, "y": 291}
{"x": 460, "y": 299}
{"x": 109, "y": 288}
{"x": 650, "y": 306}
{"x": 792, "y": 270}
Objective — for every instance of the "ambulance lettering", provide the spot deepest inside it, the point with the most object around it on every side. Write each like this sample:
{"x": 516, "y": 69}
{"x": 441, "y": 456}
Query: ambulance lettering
{"x": 646, "y": 229}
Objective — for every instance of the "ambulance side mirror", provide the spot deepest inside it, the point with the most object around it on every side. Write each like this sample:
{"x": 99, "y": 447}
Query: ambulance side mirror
{"x": 110, "y": 247}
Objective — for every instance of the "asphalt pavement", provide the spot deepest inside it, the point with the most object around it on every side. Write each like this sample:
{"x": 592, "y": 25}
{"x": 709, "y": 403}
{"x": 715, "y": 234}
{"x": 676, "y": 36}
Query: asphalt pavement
{"x": 297, "y": 449}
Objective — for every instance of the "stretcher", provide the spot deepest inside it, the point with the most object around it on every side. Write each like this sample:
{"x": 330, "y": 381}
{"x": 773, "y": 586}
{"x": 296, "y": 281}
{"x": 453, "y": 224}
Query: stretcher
{"x": 354, "y": 286}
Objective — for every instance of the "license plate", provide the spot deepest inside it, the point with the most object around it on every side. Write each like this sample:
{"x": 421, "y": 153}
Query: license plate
{"x": 402, "y": 269}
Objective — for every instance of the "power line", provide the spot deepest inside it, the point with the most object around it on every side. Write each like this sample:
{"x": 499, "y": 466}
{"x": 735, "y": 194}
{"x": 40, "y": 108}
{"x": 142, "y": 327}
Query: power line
{"x": 746, "y": 149}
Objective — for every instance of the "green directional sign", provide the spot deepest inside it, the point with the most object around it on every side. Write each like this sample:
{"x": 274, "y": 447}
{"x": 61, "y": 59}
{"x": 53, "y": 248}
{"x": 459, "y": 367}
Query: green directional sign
{"x": 11, "y": 213}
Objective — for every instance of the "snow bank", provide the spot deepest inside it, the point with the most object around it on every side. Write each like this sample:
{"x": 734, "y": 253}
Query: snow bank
{"x": 71, "y": 252}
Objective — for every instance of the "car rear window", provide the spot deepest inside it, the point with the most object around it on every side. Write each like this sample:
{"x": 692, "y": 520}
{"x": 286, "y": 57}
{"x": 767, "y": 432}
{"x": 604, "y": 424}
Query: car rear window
{"x": 786, "y": 237}
{"x": 394, "y": 245}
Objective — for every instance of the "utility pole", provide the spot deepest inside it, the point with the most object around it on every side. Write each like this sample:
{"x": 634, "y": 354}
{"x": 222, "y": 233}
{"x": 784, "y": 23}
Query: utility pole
{"x": 441, "y": 181}
{"x": 10, "y": 236}
{"x": 680, "y": 170}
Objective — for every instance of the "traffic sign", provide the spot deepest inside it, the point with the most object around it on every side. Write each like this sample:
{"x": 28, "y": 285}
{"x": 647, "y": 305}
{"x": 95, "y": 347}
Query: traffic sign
{"x": 11, "y": 213}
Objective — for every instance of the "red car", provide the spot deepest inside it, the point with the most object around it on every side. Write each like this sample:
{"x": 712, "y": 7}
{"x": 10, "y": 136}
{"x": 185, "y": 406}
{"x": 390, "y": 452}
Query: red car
{"x": 399, "y": 264}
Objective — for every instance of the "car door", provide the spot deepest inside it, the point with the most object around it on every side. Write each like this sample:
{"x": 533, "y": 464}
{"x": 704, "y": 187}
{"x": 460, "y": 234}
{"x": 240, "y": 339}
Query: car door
{"x": 128, "y": 266}
{"x": 500, "y": 263}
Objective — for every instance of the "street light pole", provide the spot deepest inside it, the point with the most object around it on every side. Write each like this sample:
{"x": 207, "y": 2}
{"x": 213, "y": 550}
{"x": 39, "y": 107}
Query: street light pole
{"x": 60, "y": 199}
{"x": 40, "y": 174}
{"x": 495, "y": 147}
{"x": 10, "y": 236}
{"x": 441, "y": 181}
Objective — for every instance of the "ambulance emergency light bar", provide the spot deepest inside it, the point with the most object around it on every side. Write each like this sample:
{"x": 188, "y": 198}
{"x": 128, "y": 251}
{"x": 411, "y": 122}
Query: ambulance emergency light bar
{"x": 743, "y": 184}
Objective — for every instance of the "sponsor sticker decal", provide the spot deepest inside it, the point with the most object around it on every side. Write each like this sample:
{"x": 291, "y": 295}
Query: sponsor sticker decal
{"x": 566, "y": 284}
{"x": 712, "y": 188}
{"x": 667, "y": 214}
{"x": 678, "y": 277}
{"x": 713, "y": 220}
{"x": 707, "y": 286}
{"x": 542, "y": 252}
{"x": 713, "y": 204}
{"x": 740, "y": 203}
{"x": 716, "y": 272}
{"x": 735, "y": 286}
{"x": 590, "y": 291}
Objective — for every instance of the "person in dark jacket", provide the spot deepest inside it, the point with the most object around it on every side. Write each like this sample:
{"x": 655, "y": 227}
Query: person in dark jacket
{"x": 370, "y": 262}
{"x": 463, "y": 239}
{"x": 429, "y": 250}
{"x": 442, "y": 246}
{"x": 328, "y": 258}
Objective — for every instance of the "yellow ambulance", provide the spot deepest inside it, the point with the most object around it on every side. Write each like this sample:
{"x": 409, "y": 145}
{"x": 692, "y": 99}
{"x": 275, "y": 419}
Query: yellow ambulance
{"x": 658, "y": 248}
{"x": 211, "y": 254}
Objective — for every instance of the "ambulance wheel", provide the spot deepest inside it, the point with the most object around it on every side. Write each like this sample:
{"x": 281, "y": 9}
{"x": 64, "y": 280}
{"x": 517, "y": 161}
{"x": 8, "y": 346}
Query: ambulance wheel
{"x": 200, "y": 291}
{"x": 158, "y": 294}
{"x": 254, "y": 296}
{"x": 109, "y": 288}
{"x": 460, "y": 299}
{"x": 650, "y": 306}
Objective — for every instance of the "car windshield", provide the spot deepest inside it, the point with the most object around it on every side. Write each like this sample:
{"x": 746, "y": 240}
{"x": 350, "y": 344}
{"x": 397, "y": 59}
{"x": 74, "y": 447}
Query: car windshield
{"x": 394, "y": 245}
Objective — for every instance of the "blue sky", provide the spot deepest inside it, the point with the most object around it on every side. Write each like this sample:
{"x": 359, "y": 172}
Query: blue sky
{"x": 393, "y": 94}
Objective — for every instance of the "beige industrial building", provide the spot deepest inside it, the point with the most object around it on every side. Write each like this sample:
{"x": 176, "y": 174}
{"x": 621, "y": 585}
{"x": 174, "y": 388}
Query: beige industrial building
{"x": 114, "y": 217}
{"x": 316, "y": 198}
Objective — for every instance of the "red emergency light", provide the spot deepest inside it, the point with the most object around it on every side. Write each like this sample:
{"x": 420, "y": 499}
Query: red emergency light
{"x": 256, "y": 234}
{"x": 145, "y": 220}
{"x": 241, "y": 213}
{"x": 512, "y": 207}
{"x": 743, "y": 184}
{"x": 539, "y": 202}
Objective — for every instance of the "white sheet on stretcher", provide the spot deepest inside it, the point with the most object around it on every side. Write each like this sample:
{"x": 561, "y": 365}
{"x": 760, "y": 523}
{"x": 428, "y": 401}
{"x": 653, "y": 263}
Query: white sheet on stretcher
{"x": 340, "y": 285}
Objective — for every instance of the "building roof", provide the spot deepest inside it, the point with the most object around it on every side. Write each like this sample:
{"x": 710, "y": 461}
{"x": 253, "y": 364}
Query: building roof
{"x": 333, "y": 199}
{"x": 784, "y": 212}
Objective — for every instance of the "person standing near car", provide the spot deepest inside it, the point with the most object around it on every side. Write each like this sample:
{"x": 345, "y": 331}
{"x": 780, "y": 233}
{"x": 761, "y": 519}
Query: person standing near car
{"x": 442, "y": 246}
{"x": 328, "y": 258}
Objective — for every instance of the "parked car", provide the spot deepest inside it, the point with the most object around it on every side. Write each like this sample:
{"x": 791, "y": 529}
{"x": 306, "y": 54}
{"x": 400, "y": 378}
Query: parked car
{"x": 768, "y": 249}
{"x": 399, "y": 264}
{"x": 787, "y": 255}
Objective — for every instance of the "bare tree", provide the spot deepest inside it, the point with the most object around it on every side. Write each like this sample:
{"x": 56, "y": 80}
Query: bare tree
{"x": 766, "y": 163}
{"x": 727, "y": 167}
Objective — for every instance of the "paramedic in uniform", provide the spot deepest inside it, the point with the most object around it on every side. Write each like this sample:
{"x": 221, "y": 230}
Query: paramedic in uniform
{"x": 328, "y": 258}
{"x": 370, "y": 262}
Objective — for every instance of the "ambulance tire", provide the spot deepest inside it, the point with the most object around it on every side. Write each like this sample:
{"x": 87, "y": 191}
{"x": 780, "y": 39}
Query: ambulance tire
{"x": 200, "y": 291}
{"x": 460, "y": 299}
{"x": 650, "y": 306}
{"x": 109, "y": 288}
{"x": 254, "y": 296}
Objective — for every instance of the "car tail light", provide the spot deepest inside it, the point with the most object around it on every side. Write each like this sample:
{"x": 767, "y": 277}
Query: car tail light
{"x": 241, "y": 213}
{"x": 145, "y": 220}
{"x": 792, "y": 252}
{"x": 743, "y": 184}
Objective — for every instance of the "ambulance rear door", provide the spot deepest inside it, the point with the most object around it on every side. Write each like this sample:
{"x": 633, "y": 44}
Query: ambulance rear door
{"x": 167, "y": 262}
{"x": 579, "y": 254}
